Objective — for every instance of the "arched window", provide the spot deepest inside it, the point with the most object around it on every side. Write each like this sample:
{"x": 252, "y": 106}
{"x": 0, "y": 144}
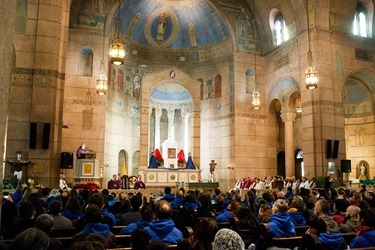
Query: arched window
{"x": 85, "y": 62}
{"x": 278, "y": 27}
{"x": 360, "y": 24}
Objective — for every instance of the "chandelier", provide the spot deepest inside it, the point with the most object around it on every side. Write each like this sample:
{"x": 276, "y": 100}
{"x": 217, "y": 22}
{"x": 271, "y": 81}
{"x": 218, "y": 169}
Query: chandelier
{"x": 117, "y": 49}
{"x": 256, "y": 100}
{"x": 102, "y": 82}
{"x": 310, "y": 73}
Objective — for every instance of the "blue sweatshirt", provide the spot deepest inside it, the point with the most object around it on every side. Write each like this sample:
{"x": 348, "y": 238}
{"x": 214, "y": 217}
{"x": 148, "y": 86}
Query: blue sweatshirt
{"x": 134, "y": 226}
{"x": 366, "y": 239}
{"x": 297, "y": 218}
{"x": 224, "y": 216}
{"x": 281, "y": 225}
{"x": 165, "y": 231}
{"x": 332, "y": 241}
{"x": 98, "y": 228}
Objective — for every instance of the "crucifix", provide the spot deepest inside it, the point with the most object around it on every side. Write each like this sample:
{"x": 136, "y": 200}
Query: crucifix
{"x": 212, "y": 170}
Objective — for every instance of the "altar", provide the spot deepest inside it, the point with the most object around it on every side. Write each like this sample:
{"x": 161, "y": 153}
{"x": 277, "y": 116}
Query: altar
{"x": 170, "y": 176}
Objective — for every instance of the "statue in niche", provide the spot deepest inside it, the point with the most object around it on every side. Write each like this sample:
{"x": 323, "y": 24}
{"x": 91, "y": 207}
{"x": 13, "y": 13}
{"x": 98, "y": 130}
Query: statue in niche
{"x": 133, "y": 23}
{"x": 362, "y": 172}
{"x": 192, "y": 35}
{"x": 162, "y": 26}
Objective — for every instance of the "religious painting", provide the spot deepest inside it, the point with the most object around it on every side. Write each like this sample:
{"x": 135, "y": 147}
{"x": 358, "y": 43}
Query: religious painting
{"x": 171, "y": 153}
{"x": 87, "y": 169}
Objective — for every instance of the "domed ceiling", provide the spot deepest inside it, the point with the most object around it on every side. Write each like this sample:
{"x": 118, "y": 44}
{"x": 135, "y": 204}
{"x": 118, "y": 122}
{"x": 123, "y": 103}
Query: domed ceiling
{"x": 171, "y": 93}
{"x": 176, "y": 24}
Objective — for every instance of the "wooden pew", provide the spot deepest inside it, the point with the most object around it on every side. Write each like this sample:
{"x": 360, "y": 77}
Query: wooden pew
{"x": 266, "y": 239}
{"x": 62, "y": 232}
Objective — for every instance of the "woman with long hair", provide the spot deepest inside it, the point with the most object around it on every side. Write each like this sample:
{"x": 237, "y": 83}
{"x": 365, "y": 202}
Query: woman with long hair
{"x": 203, "y": 236}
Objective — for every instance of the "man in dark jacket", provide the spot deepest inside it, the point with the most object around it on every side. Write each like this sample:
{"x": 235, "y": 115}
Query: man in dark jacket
{"x": 163, "y": 227}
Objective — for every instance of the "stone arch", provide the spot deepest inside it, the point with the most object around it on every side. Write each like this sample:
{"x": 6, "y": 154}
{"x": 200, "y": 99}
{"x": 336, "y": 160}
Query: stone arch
{"x": 284, "y": 90}
{"x": 123, "y": 162}
{"x": 359, "y": 108}
{"x": 150, "y": 82}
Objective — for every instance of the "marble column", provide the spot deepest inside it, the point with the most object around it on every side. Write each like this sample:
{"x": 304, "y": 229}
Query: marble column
{"x": 185, "y": 120}
{"x": 171, "y": 124}
{"x": 288, "y": 117}
{"x": 158, "y": 113}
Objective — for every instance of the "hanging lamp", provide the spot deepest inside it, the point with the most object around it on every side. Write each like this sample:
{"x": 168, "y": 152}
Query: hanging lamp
{"x": 117, "y": 49}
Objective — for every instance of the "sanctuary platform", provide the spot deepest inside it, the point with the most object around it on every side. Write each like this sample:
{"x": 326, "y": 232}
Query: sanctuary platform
{"x": 169, "y": 176}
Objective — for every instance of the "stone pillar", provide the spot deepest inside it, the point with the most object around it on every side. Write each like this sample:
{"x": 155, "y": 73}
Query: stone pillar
{"x": 185, "y": 120}
{"x": 171, "y": 124}
{"x": 149, "y": 130}
{"x": 7, "y": 16}
{"x": 158, "y": 113}
{"x": 288, "y": 117}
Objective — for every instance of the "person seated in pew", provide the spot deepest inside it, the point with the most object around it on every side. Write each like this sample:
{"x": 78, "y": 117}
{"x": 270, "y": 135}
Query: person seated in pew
{"x": 93, "y": 217}
{"x": 203, "y": 236}
{"x": 229, "y": 212}
{"x": 298, "y": 212}
{"x": 352, "y": 223}
{"x": 280, "y": 223}
{"x": 366, "y": 230}
{"x": 140, "y": 239}
{"x": 134, "y": 214}
{"x": 107, "y": 218}
{"x": 322, "y": 209}
{"x": 331, "y": 241}
{"x": 163, "y": 227}
{"x": 26, "y": 220}
{"x": 147, "y": 215}
{"x": 31, "y": 238}
{"x": 60, "y": 221}
{"x": 177, "y": 202}
{"x": 169, "y": 196}
{"x": 44, "y": 222}
{"x": 226, "y": 239}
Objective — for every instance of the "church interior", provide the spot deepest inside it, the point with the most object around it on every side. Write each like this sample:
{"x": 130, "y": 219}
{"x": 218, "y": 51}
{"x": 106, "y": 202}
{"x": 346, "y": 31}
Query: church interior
{"x": 259, "y": 87}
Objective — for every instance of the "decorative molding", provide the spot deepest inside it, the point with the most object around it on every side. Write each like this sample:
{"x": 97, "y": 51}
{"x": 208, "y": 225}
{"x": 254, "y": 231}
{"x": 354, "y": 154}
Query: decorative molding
{"x": 281, "y": 62}
{"x": 39, "y": 72}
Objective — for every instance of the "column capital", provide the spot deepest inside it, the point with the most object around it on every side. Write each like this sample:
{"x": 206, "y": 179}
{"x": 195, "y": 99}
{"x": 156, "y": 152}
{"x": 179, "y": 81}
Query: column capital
{"x": 158, "y": 112}
{"x": 288, "y": 115}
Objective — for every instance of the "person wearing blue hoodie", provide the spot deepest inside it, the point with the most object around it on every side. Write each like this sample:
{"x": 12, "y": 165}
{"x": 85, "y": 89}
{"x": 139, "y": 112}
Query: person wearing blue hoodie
{"x": 229, "y": 212}
{"x": 163, "y": 227}
{"x": 280, "y": 223}
{"x": 169, "y": 196}
{"x": 93, "y": 216}
{"x": 331, "y": 241}
{"x": 366, "y": 230}
{"x": 146, "y": 216}
{"x": 177, "y": 202}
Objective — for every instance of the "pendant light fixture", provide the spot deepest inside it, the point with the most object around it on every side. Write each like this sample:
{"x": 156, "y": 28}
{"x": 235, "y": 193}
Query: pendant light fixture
{"x": 102, "y": 82}
{"x": 310, "y": 73}
{"x": 117, "y": 50}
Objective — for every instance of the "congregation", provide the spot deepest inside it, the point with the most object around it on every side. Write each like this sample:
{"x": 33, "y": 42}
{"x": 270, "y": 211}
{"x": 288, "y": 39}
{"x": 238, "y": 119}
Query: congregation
{"x": 189, "y": 219}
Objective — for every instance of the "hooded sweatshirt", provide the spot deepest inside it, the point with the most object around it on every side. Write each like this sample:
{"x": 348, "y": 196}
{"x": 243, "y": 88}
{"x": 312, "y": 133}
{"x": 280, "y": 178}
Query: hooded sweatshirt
{"x": 281, "y": 225}
{"x": 134, "y": 226}
{"x": 297, "y": 218}
{"x": 98, "y": 228}
{"x": 366, "y": 239}
{"x": 332, "y": 241}
{"x": 165, "y": 231}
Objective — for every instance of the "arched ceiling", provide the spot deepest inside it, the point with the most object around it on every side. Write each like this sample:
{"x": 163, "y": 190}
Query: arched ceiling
{"x": 187, "y": 23}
